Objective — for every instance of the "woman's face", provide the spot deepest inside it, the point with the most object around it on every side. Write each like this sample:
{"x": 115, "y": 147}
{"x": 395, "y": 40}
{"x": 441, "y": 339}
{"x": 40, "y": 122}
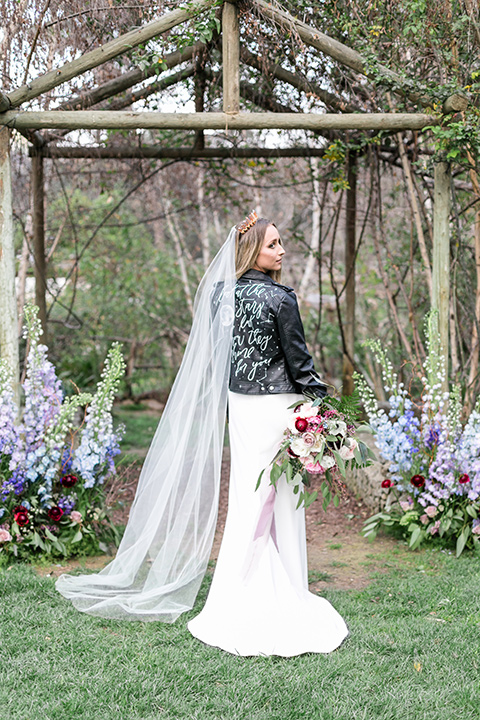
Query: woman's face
{"x": 270, "y": 256}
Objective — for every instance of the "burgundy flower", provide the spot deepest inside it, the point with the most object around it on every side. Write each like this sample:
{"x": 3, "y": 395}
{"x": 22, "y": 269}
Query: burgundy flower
{"x": 20, "y": 509}
{"x": 301, "y": 424}
{"x": 55, "y": 513}
{"x": 464, "y": 479}
{"x": 21, "y": 518}
{"x": 417, "y": 481}
{"x": 69, "y": 481}
{"x": 291, "y": 453}
{"x": 387, "y": 483}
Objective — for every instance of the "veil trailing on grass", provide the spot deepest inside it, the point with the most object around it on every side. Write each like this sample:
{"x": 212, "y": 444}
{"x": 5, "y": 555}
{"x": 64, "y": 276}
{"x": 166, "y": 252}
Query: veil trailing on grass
{"x": 164, "y": 552}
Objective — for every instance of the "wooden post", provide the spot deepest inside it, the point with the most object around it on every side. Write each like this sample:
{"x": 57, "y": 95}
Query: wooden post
{"x": 38, "y": 221}
{"x": 8, "y": 301}
{"x": 441, "y": 256}
{"x": 350, "y": 246}
{"x": 231, "y": 58}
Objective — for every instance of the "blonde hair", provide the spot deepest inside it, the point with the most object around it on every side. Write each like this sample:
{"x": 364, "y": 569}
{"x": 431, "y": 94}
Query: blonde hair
{"x": 248, "y": 246}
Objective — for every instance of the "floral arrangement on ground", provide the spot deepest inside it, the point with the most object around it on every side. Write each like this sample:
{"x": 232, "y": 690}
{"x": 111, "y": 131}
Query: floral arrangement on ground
{"x": 434, "y": 483}
{"x": 55, "y": 459}
{"x": 321, "y": 441}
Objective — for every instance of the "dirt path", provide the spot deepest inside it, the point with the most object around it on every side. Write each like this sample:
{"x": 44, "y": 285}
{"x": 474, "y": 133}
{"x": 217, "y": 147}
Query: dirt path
{"x": 338, "y": 556}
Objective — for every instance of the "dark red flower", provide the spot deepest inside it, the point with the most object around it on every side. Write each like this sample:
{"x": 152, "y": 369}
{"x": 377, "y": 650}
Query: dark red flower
{"x": 301, "y": 424}
{"x": 387, "y": 483}
{"x": 21, "y": 518}
{"x": 69, "y": 480}
{"x": 464, "y": 479}
{"x": 291, "y": 453}
{"x": 20, "y": 509}
{"x": 417, "y": 481}
{"x": 55, "y": 513}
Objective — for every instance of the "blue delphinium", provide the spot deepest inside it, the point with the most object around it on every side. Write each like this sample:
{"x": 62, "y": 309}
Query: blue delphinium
{"x": 99, "y": 443}
{"x": 434, "y": 462}
{"x": 38, "y": 458}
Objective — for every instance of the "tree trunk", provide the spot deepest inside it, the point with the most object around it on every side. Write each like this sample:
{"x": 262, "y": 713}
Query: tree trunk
{"x": 22, "y": 271}
{"x": 407, "y": 172}
{"x": 8, "y": 301}
{"x": 38, "y": 218}
{"x": 350, "y": 245}
{"x": 471, "y": 395}
{"x": 203, "y": 221}
{"x": 312, "y": 259}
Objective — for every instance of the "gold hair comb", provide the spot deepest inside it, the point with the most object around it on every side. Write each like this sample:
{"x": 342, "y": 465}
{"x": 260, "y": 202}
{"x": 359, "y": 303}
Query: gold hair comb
{"x": 249, "y": 222}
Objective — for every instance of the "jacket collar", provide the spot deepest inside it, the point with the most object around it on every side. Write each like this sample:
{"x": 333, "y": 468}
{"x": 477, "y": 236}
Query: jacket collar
{"x": 257, "y": 276}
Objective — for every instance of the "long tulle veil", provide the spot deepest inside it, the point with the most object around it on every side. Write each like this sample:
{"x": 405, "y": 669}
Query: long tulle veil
{"x": 164, "y": 552}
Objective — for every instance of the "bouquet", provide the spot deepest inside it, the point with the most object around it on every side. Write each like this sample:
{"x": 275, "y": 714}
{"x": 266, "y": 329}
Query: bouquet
{"x": 434, "y": 473}
{"x": 320, "y": 439}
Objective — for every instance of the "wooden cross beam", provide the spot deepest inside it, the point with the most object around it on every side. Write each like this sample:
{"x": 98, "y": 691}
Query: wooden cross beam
{"x": 104, "y": 119}
{"x": 353, "y": 59}
{"x": 102, "y": 54}
{"x": 125, "y": 152}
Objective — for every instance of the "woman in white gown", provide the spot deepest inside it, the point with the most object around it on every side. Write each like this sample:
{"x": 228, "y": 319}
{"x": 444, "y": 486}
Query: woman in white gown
{"x": 259, "y": 603}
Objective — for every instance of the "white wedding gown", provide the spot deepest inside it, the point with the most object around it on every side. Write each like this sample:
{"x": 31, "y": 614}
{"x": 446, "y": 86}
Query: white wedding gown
{"x": 259, "y": 603}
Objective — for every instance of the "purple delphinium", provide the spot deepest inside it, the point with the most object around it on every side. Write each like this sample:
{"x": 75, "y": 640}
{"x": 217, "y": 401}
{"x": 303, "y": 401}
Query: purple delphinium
{"x": 66, "y": 503}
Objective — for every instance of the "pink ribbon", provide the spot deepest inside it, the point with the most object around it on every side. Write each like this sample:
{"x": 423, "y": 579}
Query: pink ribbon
{"x": 266, "y": 521}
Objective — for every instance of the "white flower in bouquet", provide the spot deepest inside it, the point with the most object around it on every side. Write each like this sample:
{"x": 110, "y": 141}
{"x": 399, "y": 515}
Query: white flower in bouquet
{"x": 347, "y": 450}
{"x": 299, "y": 447}
{"x": 337, "y": 427}
{"x": 299, "y": 419}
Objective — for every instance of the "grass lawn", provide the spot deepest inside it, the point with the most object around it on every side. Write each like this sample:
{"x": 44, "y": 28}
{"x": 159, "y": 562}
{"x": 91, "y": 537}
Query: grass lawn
{"x": 413, "y": 653}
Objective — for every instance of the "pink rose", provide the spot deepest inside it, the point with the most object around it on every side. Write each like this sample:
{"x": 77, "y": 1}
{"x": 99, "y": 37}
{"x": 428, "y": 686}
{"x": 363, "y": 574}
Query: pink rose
{"x": 476, "y": 530}
{"x": 431, "y": 511}
{"x": 435, "y": 528}
{"x": 6, "y": 537}
{"x": 424, "y": 519}
{"x": 314, "y": 468}
{"x": 76, "y": 516}
{"x": 406, "y": 505}
{"x": 309, "y": 438}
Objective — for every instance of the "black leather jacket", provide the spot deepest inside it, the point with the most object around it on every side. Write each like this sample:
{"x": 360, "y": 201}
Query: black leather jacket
{"x": 269, "y": 354}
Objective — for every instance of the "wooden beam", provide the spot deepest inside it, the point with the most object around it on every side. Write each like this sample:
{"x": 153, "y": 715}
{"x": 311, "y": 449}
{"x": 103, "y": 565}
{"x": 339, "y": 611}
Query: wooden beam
{"x": 97, "y": 120}
{"x": 231, "y": 57}
{"x": 441, "y": 256}
{"x": 8, "y": 300}
{"x": 4, "y": 102}
{"x": 143, "y": 92}
{"x": 127, "y": 80}
{"x": 125, "y": 152}
{"x": 339, "y": 104}
{"x": 106, "y": 52}
{"x": 342, "y": 53}
{"x": 38, "y": 222}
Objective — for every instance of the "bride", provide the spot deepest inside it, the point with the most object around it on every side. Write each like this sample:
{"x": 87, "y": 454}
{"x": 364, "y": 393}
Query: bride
{"x": 246, "y": 346}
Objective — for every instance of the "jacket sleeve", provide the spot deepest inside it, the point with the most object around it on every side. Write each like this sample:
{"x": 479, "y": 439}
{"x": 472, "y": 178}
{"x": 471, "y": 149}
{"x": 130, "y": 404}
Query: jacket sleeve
{"x": 292, "y": 338}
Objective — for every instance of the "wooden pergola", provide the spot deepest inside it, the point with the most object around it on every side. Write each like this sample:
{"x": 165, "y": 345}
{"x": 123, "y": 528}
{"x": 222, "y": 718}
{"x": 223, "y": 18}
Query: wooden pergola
{"x": 104, "y": 108}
